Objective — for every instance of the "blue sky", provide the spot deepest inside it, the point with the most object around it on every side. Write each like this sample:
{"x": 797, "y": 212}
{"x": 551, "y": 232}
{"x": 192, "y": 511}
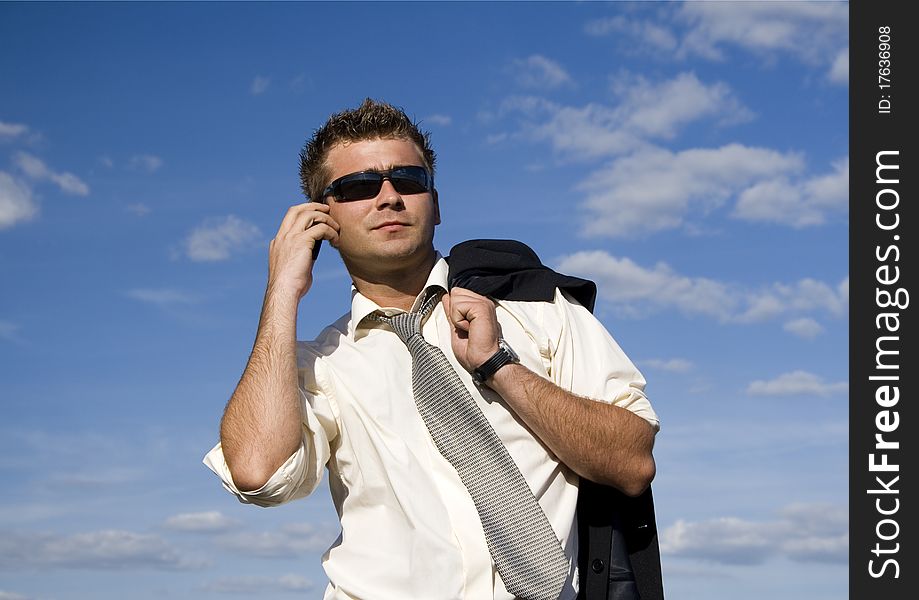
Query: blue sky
{"x": 690, "y": 158}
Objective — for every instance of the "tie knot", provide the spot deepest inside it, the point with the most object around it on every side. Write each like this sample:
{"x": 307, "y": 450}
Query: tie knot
{"x": 406, "y": 325}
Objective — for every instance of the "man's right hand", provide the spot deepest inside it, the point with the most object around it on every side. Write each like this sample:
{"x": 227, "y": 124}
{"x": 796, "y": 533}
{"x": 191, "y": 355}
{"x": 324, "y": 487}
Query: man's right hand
{"x": 262, "y": 424}
{"x": 290, "y": 254}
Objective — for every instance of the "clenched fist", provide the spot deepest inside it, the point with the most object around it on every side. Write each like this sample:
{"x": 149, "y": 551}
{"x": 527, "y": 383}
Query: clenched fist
{"x": 475, "y": 326}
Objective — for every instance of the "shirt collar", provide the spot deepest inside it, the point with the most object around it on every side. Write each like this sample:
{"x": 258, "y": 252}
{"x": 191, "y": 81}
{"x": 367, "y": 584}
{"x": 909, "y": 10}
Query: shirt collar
{"x": 362, "y": 306}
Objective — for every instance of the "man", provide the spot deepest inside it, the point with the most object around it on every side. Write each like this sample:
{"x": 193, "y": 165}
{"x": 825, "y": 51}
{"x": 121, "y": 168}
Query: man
{"x": 569, "y": 404}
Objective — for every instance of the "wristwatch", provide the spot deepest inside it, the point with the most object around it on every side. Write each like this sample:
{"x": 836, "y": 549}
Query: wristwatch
{"x": 503, "y": 356}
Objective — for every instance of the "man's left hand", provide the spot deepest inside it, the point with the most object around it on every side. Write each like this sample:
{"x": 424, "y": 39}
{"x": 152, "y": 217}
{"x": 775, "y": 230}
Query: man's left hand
{"x": 475, "y": 326}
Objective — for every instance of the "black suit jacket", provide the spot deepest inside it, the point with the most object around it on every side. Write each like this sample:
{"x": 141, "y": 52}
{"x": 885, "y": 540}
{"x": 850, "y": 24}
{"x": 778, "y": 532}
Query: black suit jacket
{"x": 618, "y": 554}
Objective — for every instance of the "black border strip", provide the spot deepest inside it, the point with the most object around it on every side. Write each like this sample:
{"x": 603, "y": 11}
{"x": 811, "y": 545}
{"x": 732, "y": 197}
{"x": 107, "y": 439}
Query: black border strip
{"x": 882, "y": 268}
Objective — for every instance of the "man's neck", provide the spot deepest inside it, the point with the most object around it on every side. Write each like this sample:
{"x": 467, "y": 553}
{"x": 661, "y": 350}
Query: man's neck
{"x": 397, "y": 288}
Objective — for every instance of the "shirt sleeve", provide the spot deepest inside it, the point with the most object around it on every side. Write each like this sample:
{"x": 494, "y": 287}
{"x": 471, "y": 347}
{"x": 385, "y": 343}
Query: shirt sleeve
{"x": 302, "y": 471}
{"x": 587, "y": 361}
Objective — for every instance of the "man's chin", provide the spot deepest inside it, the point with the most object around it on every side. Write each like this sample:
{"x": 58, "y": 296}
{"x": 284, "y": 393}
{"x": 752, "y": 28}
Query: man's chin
{"x": 391, "y": 254}
{"x": 403, "y": 251}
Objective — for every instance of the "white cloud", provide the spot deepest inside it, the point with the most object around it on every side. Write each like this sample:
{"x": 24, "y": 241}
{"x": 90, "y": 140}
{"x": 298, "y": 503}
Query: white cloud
{"x": 586, "y": 132}
{"x": 300, "y": 82}
{"x": 821, "y": 532}
{"x": 805, "y": 327}
{"x": 811, "y": 32}
{"x": 728, "y": 540}
{"x": 145, "y": 162}
{"x": 259, "y": 85}
{"x": 32, "y": 166}
{"x": 647, "y": 188}
{"x": 539, "y": 72}
{"x": 796, "y": 203}
{"x": 201, "y": 522}
{"x": 830, "y": 191}
{"x": 839, "y": 70}
{"x": 217, "y": 238}
{"x": 654, "y": 189}
{"x": 12, "y": 130}
{"x": 438, "y": 119}
{"x": 660, "y": 109}
{"x": 809, "y": 533}
{"x": 106, "y": 161}
{"x": 635, "y": 290}
{"x": 139, "y": 208}
{"x": 804, "y": 295}
{"x": 651, "y": 33}
{"x": 260, "y": 585}
{"x": 4, "y": 595}
{"x": 290, "y": 540}
{"x": 16, "y": 203}
{"x": 36, "y": 169}
{"x": 673, "y": 365}
{"x": 106, "y": 549}
{"x": 70, "y": 183}
{"x": 645, "y": 110}
{"x": 796, "y": 383}
{"x": 161, "y": 296}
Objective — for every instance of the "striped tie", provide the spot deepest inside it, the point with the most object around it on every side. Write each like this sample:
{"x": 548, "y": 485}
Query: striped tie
{"x": 523, "y": 545}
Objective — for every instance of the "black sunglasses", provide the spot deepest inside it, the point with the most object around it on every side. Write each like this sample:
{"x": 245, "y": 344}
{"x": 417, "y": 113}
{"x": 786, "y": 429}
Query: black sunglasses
{"x": 367, "y": 184}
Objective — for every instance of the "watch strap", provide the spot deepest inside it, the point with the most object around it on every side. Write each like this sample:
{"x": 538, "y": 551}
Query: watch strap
{"x": 487, "y": 369}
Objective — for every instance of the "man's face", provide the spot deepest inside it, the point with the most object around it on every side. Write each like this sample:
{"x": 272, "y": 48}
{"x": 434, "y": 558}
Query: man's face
{"x": 391, "y": 229}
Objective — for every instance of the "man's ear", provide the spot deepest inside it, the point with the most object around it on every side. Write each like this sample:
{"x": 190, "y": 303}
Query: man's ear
{"x": 436, "y": 207}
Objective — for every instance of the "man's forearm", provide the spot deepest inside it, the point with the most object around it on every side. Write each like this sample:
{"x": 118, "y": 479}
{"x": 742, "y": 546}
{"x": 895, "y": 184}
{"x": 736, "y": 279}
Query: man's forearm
{"x": 601, "y": 442}
{"x": 262, "y": 424}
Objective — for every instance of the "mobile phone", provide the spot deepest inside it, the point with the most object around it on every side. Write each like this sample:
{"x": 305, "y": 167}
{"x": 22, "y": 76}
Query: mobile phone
{"x": 316, "y": 248}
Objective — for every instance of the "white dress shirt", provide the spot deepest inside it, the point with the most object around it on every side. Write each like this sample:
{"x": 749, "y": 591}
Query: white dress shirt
{"x": 409, "y": 527}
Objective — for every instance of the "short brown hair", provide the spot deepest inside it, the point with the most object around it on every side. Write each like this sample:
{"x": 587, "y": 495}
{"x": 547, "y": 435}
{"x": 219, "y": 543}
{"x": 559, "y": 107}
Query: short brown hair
{"x": 371, "y": 120}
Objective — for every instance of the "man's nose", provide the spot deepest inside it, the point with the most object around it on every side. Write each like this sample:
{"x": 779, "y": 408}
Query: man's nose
{"x": 388, "y": 196}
